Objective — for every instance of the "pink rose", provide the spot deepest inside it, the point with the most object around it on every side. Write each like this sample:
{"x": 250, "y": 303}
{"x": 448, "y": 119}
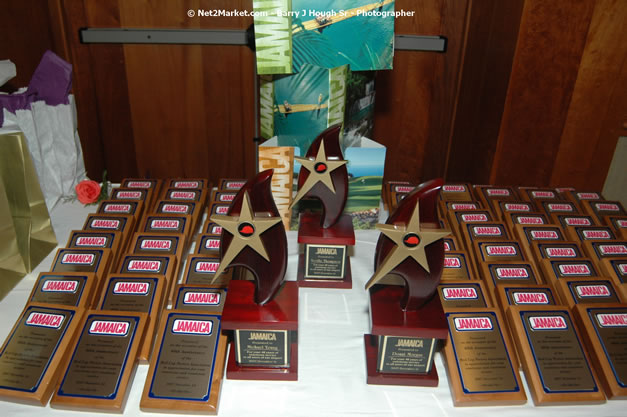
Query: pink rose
{"x": 87, "y": 191}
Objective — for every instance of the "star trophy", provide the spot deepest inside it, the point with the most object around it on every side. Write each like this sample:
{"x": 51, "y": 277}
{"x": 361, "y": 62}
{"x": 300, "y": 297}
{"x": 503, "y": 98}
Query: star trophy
{"x": 263, "y": 313}
{"x": 407, "y": 320}
{"x": 325, "y": 236}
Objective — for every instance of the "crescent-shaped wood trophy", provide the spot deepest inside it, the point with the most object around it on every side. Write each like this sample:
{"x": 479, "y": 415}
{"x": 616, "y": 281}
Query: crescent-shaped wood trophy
{"x": 263, "y": 314}
{"x": 324, "y": 235}
{"x": 407, "y": 320}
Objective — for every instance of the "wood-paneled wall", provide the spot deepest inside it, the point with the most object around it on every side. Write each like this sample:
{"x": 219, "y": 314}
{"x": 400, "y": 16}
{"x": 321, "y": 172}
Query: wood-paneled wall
{"x": 528, "y": 91}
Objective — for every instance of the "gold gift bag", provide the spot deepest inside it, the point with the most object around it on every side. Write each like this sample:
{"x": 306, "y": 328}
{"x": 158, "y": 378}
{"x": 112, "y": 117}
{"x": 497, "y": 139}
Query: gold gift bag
{"x": 24, "y": 220}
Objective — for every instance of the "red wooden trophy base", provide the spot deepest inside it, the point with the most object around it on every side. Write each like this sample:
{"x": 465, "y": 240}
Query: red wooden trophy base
{"x": 241, "y": 312}
{"x": 387, "y": 319}
{"x": 311, "y": 233}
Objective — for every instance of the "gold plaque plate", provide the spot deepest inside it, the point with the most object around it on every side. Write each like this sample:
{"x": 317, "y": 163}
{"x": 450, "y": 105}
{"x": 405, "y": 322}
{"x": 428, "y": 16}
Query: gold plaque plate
{"x": 32, "y": 355}
{"x": 482, "y": 366}
{"x": 556, "y": 269}
{"x": 604, "y": 330}
{"x": 201, "y": 270}
{"x": 186, "y": 382}
{"x": 588, "y": 291}
{"x": 191, "y": 208}
{"x": 199, "y": 298}
{"x": 153, "y": 186}
{"x": 463, "y": 294}
{"x": 101, "y": 362}
{"x": 457, "y": 266}
{"x": 124, "y": 223}
{"x": 75, "y": 289}
{"x": 552, "y": 356}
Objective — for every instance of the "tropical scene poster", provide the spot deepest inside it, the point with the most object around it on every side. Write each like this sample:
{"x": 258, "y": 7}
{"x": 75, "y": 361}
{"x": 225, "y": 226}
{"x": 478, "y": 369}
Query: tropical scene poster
{"x": 329, "y": 34}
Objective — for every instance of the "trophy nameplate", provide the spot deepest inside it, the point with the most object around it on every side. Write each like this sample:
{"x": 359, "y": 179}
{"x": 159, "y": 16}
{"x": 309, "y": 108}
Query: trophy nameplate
{"x": 191, "y": 208}
{"x": 133, "y": 208}
{"x": 513, "y": 206}
{"x": 484, "y": 232}
{"x": 555, "y": 208}
{"x": 158, "y": 244}
{"x": 88, "y": 239}
{"x": 144, "y": 294}
{"x": 268, "y": 348}
{"x": 456, "y": 192}
{"x": 619, "y": 223}
{"x": 457, "y": 266}
{"x": 130, "y": 194}
{"x": 552, "y": 356}
{"x": 463, "y": 294}
{"x": 153, "y": 186}
{"x": 228, "y": 184}
{"x": 190, "y": 381}
{"x": 168, "y": 223}
{"x": 101, "y": 381}
{"x": 601, "y": 208}
{"x": 124, "y": 223}
{"x": 208, "y": 244}
{"x": 604, "y": 330}
{"x": 490, "y": 195}
{"x": 615, "y": 268}
{"x": 481, "y": 360}
{"x": 535, "y": 218}
{"x": 201, "y": 270}
{"x": 97, "y": 261}
{"x": 599, "y": 249}
{"x": 589, "y": 291}
{"x": 498, "y": 251}
{"x": 582, "y": 233}
{"x": 450, "y": 244}
{"x": 75, "y": 289}
{"x": 495, "y": 274}
{"x": 185, "y": 194}
{"x": 525, "y": 295}
{"x": 199, "y": 298}
{"x": 325, "y": 261}
{"x": 212, "y": 228}
{"x": 405, "y": 355}
{"x": 218, "y": 208}
{"x": 459, "y": 218}
{"x": 166, "y": 265}
{"x": 526, "y": 235}
{"x": 561, "y": 250}
{"x": 222, "y": 197}
{"x": 32, "y": 355}
{"x": 557, "y": 269}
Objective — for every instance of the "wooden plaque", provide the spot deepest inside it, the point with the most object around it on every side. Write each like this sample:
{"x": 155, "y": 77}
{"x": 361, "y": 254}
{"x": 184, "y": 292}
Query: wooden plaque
{"x": 456, "y": 192}
{"x": 212, "y": 228}
{"x": 552, "y": 355}
{"x": 539, "y": 194}
{"x": 554, "y": 270}
{"x": 498, "y": 251}
{"x": 153, "y": 186}
{"x": 572, "y": 220}
{"x": 600, "y": 249}
{"x": 458, "y": 219}
{"x": 201, "y": 269}
{"x": 535, "y": 218}
{"x": 88, "y": 239}
{"x": 218, "y": 208}
{"x": 222, "y": 196}
{"x": 208, "y": 244}
{"x": 562, "y": 250}
{"x": 604, "y": 330}
{"x": 554, "y": 208}
{"x": 525, "y": 295}
{"x": 188, "y": 382}
{"x": 451, "y": 244}
{"x": 134, "y": 208}
{"x": 191, "y": 208}
{"x": 101, "y": 382}
{"x": 33, "y": 353}
{"x": 137, "y": 293}
{"x": 158, "y": 244}
{"x": 481, "y": 362}
{"x": 581, "y": 233}
{"x": 578, "y": 196}
{"x": 231, "y": 184}
{"x": 527, "y": 234}
{"x": 615, "y": 268}
{"x": 130, "y": 194}
{"x": 601, "y": 208}
{"x": 97, "y": 261}
{"x": 198, "y": 195}
{"x": 169, "y": 223}
{"x": 619, "y": 224}
{"x": 74, "y": 289}
{"x": 491, "y": 195}
{"x": 166, "y": 265}
{"x": 513, "y": 206}
{"x": 457, "y": 266}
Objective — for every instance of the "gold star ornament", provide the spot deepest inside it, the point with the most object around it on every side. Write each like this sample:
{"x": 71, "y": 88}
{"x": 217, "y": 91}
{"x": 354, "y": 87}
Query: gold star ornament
{"x": 246, "y": 230}
{"x": 410, "y": 241}
{"x": 320, "y": 170}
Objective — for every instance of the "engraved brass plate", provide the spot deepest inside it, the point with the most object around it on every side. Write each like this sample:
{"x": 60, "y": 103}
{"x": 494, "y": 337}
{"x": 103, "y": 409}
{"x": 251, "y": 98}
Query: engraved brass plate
{"x": 610, "y": 325}
{"x": 325, "y": 261}
{"x": 458, "y": 295}
{"x": 593, "y": 291}
{"x": 31, "y": 347}
{"x": 529, "y": 296}
{"x": 557, "y": 352}
{"x": 202, "y": 299}
{"x": 484, "y": 363}
{"x": 56, "y": 288}
{"x": 262, "y": 348}
{"x": 129, "y": 294}
{"x": 100, "y": 357}
{"x": 186, "y": 357}
{"x": 78, "y": 260}
{"x": 405, "y": 355}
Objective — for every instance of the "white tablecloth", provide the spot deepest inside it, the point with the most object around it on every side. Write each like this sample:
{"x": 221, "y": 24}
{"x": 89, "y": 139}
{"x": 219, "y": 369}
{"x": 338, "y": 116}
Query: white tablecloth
{"x": 332, "y": 370}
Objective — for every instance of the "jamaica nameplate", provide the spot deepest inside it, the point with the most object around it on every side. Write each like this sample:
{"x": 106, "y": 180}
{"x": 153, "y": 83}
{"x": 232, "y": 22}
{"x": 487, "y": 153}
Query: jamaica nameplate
{"x": 456, "y": 192}
{"x": 200, "y": 298}
{"x": 187, "y": 381}
{"x": 231, "y": 184}
{"x": 456, "y": 266}
{"x": 74, "y": 289}
{"x": 33, "y": 351}
{"x": 525, "y": 295}
{"x": 496, "y": 273}
{"x": 158, "y": 244}
{"x": 212, "y": 228}
{"x": 101, "y": 362}
{"x": 616, "y": 269}
{"x": 208, "y": 244}
{"x": 556, "y": 269}
{"x": 462, "y": 294}
{"x": 82, "y": 260}
{"x": 405, "y": 355}
{"x": 262, "y": 348}
{"x": 483, "y": 368}
{"x": 325, "y": 261}
{"x": 201, "y": 270}
{"x": 498, "y": 251}
{"x": 589, "y": 291}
